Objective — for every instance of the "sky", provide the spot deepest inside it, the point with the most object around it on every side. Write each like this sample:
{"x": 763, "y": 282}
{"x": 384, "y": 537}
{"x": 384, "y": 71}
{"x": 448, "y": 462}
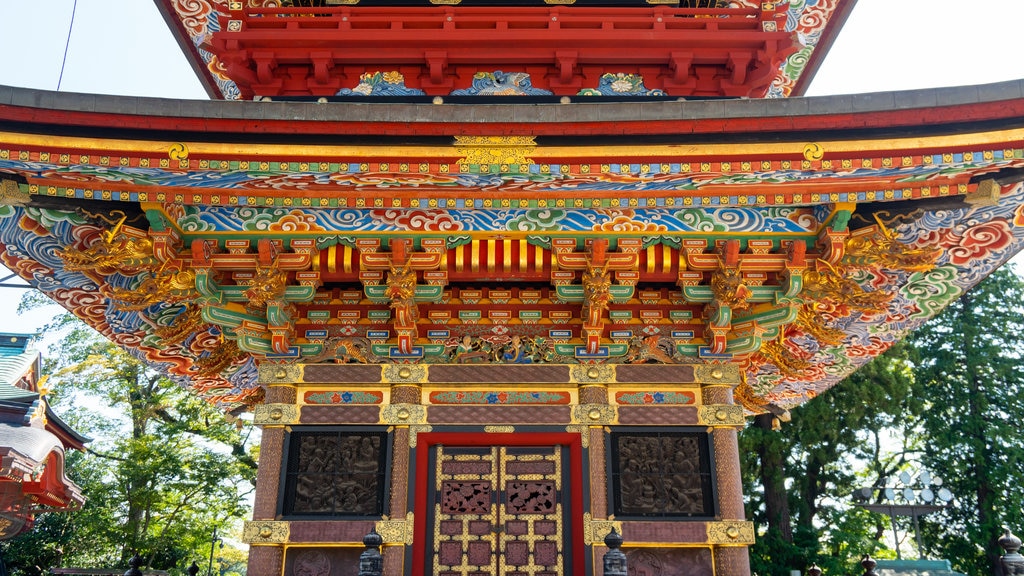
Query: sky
{"x": 124, "y": 47}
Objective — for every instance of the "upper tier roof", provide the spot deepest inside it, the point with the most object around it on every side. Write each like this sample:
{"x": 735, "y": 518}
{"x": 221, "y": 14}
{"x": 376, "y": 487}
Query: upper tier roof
{"x": 797, "y": 238}
{"x": 342, "y": 47}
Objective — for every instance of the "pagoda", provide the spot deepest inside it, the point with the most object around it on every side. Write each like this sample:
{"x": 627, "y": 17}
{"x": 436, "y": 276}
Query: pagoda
{"x": 499, "y": 277}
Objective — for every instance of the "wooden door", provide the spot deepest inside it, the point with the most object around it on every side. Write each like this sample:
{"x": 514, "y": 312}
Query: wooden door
{"x": 498, "y": 510}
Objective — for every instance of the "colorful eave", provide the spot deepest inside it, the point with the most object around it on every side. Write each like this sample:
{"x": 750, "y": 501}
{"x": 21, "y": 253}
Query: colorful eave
{"x": 750, "y": 49}
{"x": 798, "y": 238}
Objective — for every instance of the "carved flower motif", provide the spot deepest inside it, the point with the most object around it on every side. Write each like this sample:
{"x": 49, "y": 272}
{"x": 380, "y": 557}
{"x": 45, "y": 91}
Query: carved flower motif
{"x": 394, "y": 77}
{"x": 622, "y": 86}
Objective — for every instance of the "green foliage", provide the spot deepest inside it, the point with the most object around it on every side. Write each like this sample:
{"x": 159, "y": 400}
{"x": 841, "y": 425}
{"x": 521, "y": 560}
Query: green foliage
{"x": 949, "y": 400}
{"x": 811, "y": 462}
{"x": 163, "y": 469}
{"x": 969, "y": 364}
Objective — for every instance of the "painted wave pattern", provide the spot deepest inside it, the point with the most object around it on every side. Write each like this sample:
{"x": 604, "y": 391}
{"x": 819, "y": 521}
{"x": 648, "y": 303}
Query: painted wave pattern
{"x": 619, "y": 177}
{"x": 296, "y": 220}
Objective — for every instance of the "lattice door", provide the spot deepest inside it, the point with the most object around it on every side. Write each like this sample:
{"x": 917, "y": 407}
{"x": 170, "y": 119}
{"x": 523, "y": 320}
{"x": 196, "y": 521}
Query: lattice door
{"x": 498, "y": 510}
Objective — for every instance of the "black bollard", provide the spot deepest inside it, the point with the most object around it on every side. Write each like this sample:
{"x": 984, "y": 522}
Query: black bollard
{"x": 133, "y": 566}
{"x": 813, "y": 570}
{"x": 1012, "y": 561}
{"x": 869, "y": 565}
{"x": 193, "y": 570}
{"x": 371, "y": 563}
{"x": 614, "y": 559}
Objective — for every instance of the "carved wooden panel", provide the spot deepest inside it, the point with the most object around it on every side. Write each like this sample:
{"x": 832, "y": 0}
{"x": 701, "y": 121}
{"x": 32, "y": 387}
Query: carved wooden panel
{"x": 661, "y": 474}
{"x": 335, "y": 473}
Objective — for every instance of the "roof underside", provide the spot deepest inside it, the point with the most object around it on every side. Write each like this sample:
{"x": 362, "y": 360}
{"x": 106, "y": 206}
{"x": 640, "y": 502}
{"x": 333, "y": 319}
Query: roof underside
{"x": 813, "y": 25}
{"x": 913, "y": 196}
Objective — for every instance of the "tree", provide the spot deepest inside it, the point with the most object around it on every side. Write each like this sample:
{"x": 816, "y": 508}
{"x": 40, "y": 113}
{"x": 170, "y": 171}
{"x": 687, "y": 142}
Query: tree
{"x": 970, "y": 366}
{"x": 163, "y": 469}
{"x": 799, "y": 477}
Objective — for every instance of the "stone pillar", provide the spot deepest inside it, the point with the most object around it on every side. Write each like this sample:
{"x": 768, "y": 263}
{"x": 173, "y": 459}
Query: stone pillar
{"x": 731, "y": 535}
{"x": 265, "y": 534}
{"x": 596, "y": 394}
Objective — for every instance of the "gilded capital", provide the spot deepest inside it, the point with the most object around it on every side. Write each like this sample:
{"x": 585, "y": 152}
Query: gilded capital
{"x": 280, "y": 373}
{"x": 592, "y": 374}
{"x": 717, "y": 374}
{"x": 276, "y": 415}
{"x": 265, "y": 532}
{"x": 727, "y": 532}
{"x": 594, "y": 414}
{"x": 403, "y": 374}
{"x": 725, "y": 415}
{"x": 403, "y": 414}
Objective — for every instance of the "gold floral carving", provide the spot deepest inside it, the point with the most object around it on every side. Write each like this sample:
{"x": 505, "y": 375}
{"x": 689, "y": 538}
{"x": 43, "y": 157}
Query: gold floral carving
{"x": 788, "y": 363}
{"x": 726, "y": 415}
{"x": 276, "y": 415}
{"x": 583, "y": 431}
{"x": 505, "y": 150}
{"x": 265, "y": 532}
{"x": 115, "y": 251}
{"x": 717, "y": 374}
{"x": 417, "y": 429}
{"x": 224, "y": 355}
{"x": 185, "y": 324}
{"x": 747, "y": 397}
{"x": 881, "y": 248}
{"x": 499, "y": 429}
{"x": 280, "y": 374}
{"x": 593, "y": 374}
{"x": 403, "y": 414}
{"x": 594, "y": 531}
{"x": 811, "y": 323}
{"x": 396, "y": 531}
{"x": 12, "y": 195}
{"x": 403, "y": 374}
{"x": 731, "y": 532}
{"x": 829, "y": 283}
{"x": 594, "y": 414}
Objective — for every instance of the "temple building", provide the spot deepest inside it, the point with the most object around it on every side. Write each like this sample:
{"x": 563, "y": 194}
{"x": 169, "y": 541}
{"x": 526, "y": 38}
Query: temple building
{"x": 496, "y": 276}
{"x": 33, "y": 442}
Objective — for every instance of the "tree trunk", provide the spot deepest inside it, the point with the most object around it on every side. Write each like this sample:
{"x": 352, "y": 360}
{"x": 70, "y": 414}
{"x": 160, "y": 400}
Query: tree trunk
{"x": 776, "y": 500}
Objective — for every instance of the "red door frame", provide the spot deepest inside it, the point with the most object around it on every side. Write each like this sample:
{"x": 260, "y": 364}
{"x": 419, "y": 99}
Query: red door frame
{"x": 427, "y": 440}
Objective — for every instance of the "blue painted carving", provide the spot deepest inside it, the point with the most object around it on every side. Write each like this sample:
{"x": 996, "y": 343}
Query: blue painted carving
{"x": 621, "y": 85}
{"x": 500, "y": 83}
{"x": 381, "y": 84}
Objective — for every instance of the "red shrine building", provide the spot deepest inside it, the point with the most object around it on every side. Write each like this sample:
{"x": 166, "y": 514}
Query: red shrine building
{"x": 497, "y": 277}
{"x": 33, "y": 442}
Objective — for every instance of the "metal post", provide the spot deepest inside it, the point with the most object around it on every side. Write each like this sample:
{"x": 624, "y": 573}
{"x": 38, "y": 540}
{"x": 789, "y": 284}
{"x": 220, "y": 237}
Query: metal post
{"x": 371, "y": 563}
{"x": 1012, "y": 561}
{"x": 134, "y": 565}
{"x": 614, "y": 559}
{"x": 869, "y": 566}
{"x": 213, "y": 546}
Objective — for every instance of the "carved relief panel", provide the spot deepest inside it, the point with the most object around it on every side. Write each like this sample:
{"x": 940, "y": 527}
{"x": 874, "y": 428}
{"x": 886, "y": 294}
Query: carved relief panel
{"x": 333, "y": 472}
{"x": 661, "y": 474}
